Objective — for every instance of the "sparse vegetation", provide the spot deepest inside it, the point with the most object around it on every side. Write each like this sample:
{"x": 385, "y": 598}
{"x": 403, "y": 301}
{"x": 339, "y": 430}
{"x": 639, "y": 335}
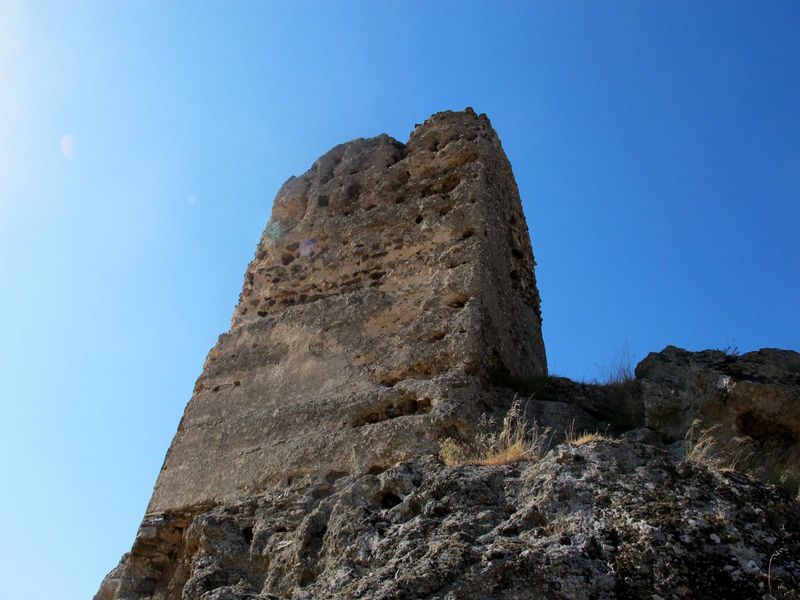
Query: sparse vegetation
{"x": 586, "y": 438}
{"x": 573, "y": 438}
{"x": 730, "y": 349}
{"x": 620, "y": 371}
{"x": 452, "y": 452}
{"x": 703, "y": 448}
{"x": 516, "y": 441}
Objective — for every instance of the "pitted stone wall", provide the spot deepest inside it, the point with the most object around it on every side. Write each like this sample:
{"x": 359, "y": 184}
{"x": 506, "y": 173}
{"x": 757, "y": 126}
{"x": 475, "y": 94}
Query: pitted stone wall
{"x": 392, "y": 285}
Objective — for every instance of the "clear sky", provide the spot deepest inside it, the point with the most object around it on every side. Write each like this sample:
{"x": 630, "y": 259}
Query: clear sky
{"x": 656, "y": 146}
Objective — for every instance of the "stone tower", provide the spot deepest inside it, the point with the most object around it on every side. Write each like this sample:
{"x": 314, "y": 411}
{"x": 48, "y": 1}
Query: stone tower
{"x": 390, "y": 304}
{"x": 392, "y": 286}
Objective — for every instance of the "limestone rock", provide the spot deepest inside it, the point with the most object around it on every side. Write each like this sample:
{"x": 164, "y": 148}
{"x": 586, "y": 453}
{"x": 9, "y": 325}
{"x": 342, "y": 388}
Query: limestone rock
{"x": 602, "y": 520}
{"x": 392, "y": 285}
{"x": 749, "y": 404}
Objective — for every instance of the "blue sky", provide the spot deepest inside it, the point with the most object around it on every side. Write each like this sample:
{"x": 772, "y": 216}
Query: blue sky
{"x": 656, "y": 146}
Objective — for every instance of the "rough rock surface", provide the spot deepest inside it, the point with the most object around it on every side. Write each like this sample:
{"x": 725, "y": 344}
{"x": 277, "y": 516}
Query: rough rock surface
{"x": 750, "y": 404}
{"x": 393, "y": 283}
{"x": 391, "y": 304}
{"x": 747, "y": 406}
{"x": 601, "y": 520}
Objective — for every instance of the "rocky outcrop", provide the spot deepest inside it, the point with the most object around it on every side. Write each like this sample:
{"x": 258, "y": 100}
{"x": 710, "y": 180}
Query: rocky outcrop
{"x": 745, "y": 408}
{"x": 392, "y": 306}
{"x": 609, "y": 519}
{"x": 392, "y": 285}
{"x": 748, "y": 404}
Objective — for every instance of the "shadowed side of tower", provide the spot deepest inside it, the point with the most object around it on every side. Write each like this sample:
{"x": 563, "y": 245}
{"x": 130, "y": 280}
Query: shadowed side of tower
{"x": 392, "y": 285}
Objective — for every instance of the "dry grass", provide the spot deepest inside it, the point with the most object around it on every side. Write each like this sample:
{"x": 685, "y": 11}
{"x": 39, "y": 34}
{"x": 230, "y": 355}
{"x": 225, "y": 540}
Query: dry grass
{"x": 621, "y": 371}
{"x": 586, "y": 438}
{"x": 573, "y": 438}
{"x": 516, "y": 441}
{"x": 452, "y": 453}
{"x": 505, "y": 456}
{"x": 703, "y": 448}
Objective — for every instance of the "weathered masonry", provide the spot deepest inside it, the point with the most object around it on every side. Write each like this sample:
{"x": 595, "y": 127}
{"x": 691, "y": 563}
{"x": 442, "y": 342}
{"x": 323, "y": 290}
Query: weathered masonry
{"x": 391, "y": 287}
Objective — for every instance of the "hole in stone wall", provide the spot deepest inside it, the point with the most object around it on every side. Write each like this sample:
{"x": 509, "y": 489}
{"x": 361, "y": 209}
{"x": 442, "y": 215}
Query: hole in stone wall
{"x": 423, "y": 405}
{"x": 765, "y": 432}
{"x": 449, "y": 184}
{"x": 442, "y": 186}
{"x": 306, "y": 577}
{"x": 247, "y": 534}
{"x": 401, "y": 407}
{"x": 389, "y": 500}
{"x": 418, "y": 220}
{"x": 467, "y": 234}
{"x": 499, "y": 373}
{"x": 287, "y": 258}
{"x": 436, "y": 336}
{"x": 353, "y": 191}
{"x": 334, "y": 476}
{"x": 457, "y": 300}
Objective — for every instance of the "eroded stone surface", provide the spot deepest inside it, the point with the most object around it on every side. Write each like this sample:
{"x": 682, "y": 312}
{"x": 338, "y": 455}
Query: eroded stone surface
{"x": 392, "y": 285}
{"x": 750, "y": 404}
{"x": 390, "y": 304}
{"x": 602, "y": 520}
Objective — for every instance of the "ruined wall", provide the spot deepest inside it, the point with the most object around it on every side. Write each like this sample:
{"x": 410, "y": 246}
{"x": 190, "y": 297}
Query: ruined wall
{"x": 392, "y": 286}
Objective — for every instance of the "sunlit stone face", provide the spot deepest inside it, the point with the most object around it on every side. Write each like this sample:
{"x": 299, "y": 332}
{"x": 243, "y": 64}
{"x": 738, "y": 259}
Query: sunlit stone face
{"x": 392, "y": 288}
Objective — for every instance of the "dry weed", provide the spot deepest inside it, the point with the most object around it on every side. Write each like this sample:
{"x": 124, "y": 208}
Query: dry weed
{"x": 703, "y": 448}
{"x": 516, "y": 441}
{"x": 586, "y": 438}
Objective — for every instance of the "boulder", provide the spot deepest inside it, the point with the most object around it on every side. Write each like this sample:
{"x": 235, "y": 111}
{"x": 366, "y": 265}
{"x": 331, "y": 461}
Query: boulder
{"x": 747, "y": 407}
